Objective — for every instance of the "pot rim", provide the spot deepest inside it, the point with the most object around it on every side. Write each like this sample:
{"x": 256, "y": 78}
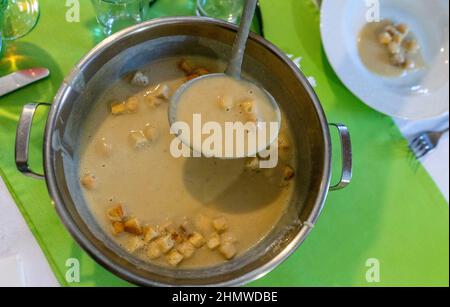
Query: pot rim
{"x": 87, "y": 245}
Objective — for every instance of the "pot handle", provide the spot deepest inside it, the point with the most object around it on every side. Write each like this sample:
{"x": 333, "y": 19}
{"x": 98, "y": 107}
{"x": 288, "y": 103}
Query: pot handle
{"x": 23, "y": 139}
{"x": 347, "y": 158}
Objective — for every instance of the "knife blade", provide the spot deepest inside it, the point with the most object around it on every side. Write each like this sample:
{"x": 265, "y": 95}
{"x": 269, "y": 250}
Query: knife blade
{"x": 21, "y": 78}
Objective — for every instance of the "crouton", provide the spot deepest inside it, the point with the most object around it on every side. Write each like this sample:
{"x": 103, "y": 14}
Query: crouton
{"x": 197, "y": 240}
{"x": 220, "y": 224}
{"x": 228, "y": 250}
{"x": 248, "y": 106}
{"x": 152, "y": 101}
{"x": 117, "y": 228}
{"x": 186, "y": 249}
{"x": 134, "y": 244}
{"x": 118, "y": 108}
{"x": 226, "y": 103}
{"x": 150, "y": 233}
{"x": 252, "y": 165}
{"x": 162, "y": 91}
{"x": 132, "y": 105}
{"x": 227, "y": 238}
{"x": 133, "y": 226}
{"x": 402, "y": 28}
{"x": 203, "y": 223}
{"x": 115, "y": 213}
{"x": 153, "y": 251}
{"x": 411, "y": 46}
{"x": 213, "y": 241}
{"x": 89, "y": 181}
{"x": 186, "y": 66}
{"x": 174, "y": 258}
{"x": 385, "y": 38}
{"x": 139, "y": 79}
{"x": 165, "y": 244}
{"x": 138, "y": 139}
{"x": 151, "y": 133}
{"x": 288, "y": 173}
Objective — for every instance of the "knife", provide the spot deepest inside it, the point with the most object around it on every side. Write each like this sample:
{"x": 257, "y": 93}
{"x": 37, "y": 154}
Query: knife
{"x": 21, "y": 78}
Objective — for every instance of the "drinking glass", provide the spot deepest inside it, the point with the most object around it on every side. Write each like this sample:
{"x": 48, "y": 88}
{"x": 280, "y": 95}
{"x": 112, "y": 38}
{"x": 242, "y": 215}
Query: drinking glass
{"x": 115, "y": 15}
{"x": 229, "y": 10}
{"x": 19, "y": 17}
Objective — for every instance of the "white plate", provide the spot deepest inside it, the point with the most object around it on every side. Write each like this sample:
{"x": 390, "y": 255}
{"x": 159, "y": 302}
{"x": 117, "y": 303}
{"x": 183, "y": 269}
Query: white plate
{"x": 419, "y": 95}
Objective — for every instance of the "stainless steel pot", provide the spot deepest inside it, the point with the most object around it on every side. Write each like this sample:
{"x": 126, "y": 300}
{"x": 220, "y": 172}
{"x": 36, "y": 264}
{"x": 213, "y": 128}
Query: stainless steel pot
{"x": 135, "y": 47}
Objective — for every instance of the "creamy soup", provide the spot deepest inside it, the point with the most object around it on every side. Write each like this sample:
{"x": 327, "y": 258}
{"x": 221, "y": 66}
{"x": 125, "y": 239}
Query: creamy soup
{"x": 389, "y": 50}
{"x": 179, "y": 212}
{"x": 222, "y": 99}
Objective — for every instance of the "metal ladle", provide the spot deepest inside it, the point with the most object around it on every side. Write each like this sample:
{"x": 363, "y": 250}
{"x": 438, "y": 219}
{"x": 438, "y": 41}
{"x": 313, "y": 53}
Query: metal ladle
{"x": 233, "y": 70}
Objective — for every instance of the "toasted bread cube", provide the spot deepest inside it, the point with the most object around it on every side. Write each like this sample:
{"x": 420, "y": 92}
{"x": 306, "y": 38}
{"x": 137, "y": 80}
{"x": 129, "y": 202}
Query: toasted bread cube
{"x": 117, "y": 228}
{"x": 134, "y": 244}
{"x": 138, "y": 139}
{"x": 252, "y": 165}
{"x": 220, "y": 224}
{"x": 133, "y": 226}
{"x": 248, "y": 106}
{"x": 152, "y": 101}
{"x": 186, "y": 66}
{"x": 398, "y": 59}
{"x": 203, "y": 223}
{"x": 89, "y": 181}
{"x": 186, "y": 249}
{"x": 213, "y": 241}
{"x": 163, "y": 92}
{"x": 186, "y": 227}
{"x": 402, "y": 28}
{"x": 174, "y": 258}
{"x": 166, "y": 243}
{"x": 288, "y": 173}
{"x": 151, "y": 133}
{"x": 226, "y": 103}
{"x": 150, "y": 233}
{"x": 409, "y": 64}
{"x": 197, "y": 240}
{"x": 115, "y": 213}
{"x": 132, "y": 105}
{"x": 153, "y": 251}
{"x": 411, "y": 46}
{"x": 227, "y": 238}
{"x": 394, "y": 48}
{"x": 139, "y": 79}
{"x": 118, "y": 108}
{"x": 228, "y": 250}
{"x": 384, "y": 38}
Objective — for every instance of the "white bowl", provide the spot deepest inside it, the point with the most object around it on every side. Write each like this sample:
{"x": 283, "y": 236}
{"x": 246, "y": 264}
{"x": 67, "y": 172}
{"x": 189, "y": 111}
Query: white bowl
{"x": 419, "y": 95}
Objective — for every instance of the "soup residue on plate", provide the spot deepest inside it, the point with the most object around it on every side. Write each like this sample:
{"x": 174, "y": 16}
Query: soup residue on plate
{"x": 389, "y": 49}
{"x": 178, "y": 212}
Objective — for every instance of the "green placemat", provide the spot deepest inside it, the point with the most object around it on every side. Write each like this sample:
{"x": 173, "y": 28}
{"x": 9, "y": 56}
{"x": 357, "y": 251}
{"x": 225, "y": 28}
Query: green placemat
{"x": 392, "y": 212}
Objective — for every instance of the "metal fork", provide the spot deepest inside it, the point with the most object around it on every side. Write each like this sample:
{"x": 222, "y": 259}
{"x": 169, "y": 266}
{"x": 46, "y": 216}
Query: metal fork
{"x": 425, "y": 143}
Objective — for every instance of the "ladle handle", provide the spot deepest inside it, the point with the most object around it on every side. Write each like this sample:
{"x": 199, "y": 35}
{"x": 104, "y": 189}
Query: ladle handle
{"x": 237, "y": 57}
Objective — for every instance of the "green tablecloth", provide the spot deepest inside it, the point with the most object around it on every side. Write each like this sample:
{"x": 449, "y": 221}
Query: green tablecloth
{"x": 392, "y": 212}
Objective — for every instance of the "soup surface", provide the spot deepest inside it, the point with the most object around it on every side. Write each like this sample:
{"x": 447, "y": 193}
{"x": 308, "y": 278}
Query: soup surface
{"x": 180, "y": 212}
